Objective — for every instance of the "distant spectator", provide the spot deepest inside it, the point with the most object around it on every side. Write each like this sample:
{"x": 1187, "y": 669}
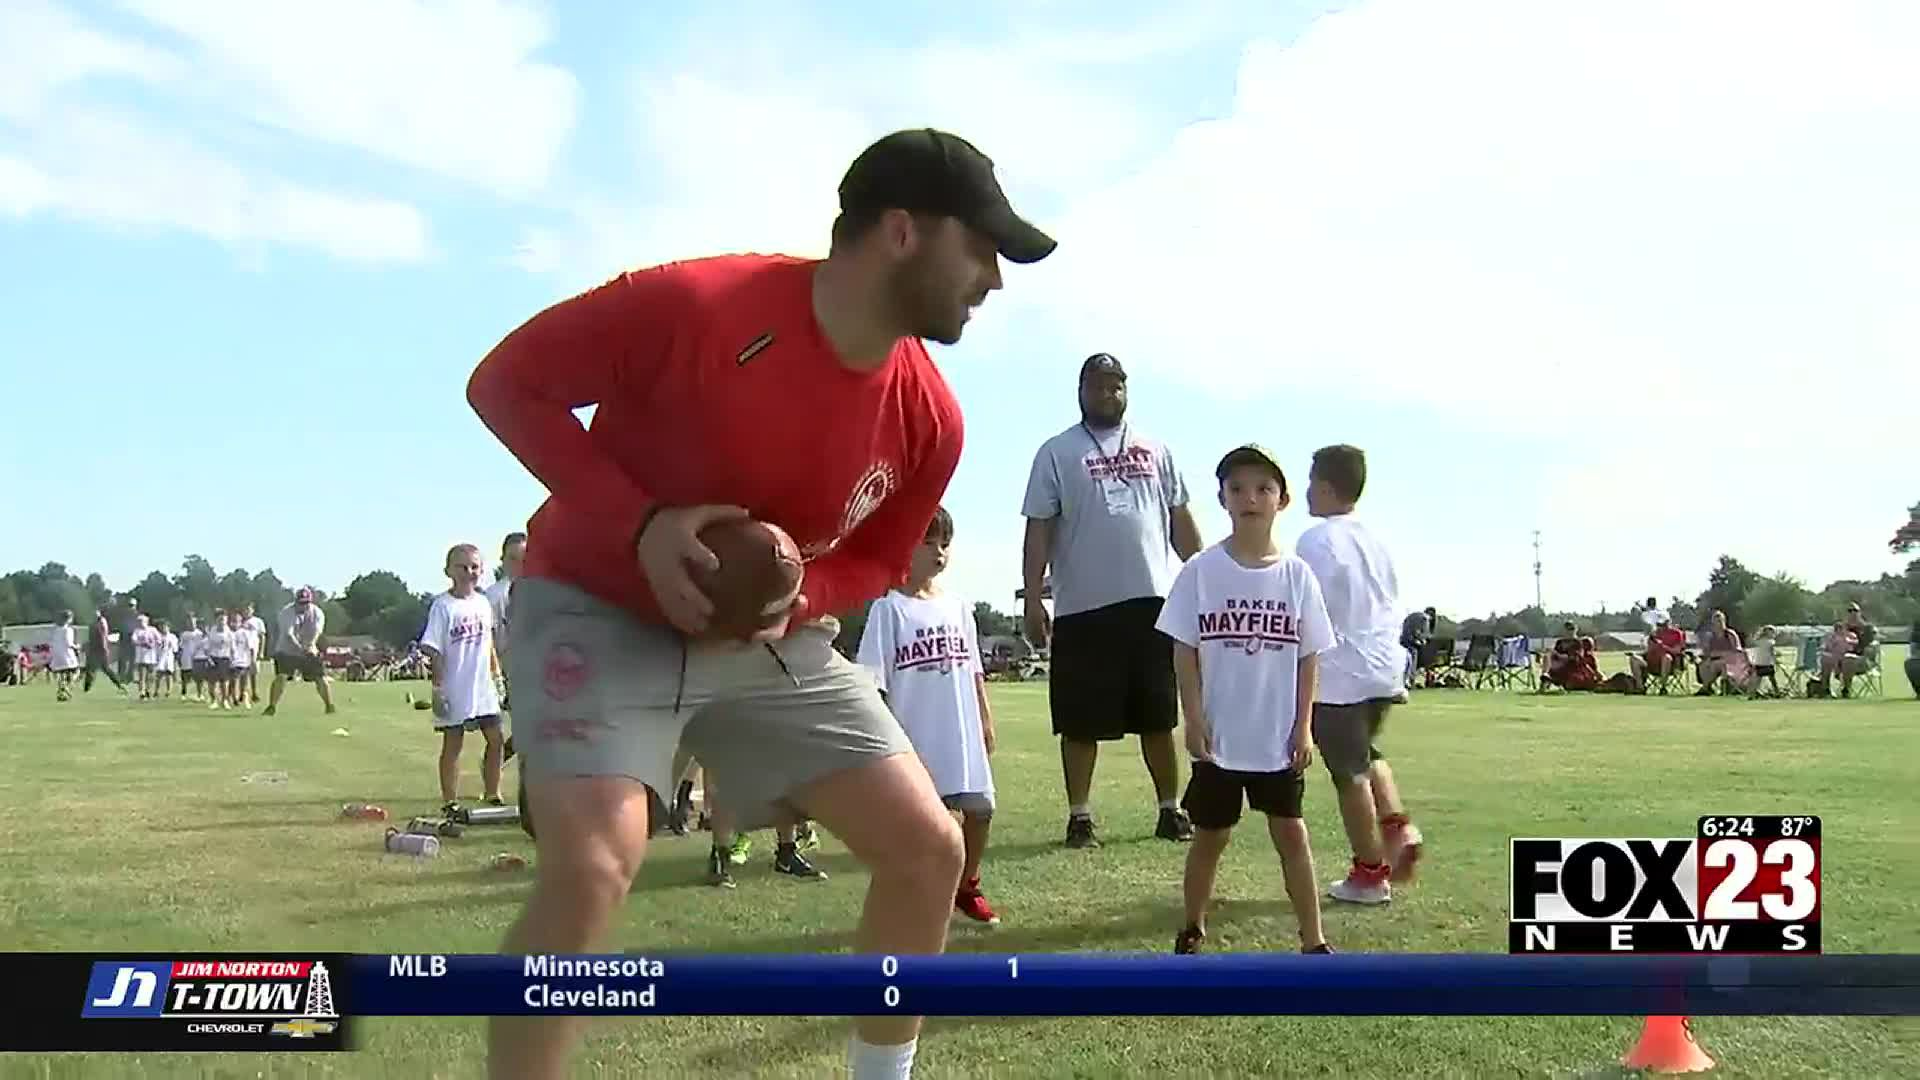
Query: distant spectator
{"x": 1414, "y": 634}
{"x": 1666, "y": 651}
{"x": 1913, "y": 657}
{"x": 1572, "y": 665}
{"x": 1852, "y": 652}
{"x": 1722, "y": 655}
{"x": 1761, "y": 652}
{"x": 1652, "y": 615}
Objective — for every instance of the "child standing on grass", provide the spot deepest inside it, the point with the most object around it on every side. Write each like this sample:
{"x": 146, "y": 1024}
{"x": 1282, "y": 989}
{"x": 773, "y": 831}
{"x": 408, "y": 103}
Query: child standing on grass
{"x": 923, "y": 648}
{"x": 459, "y": 643}
{"x": 166, "y": 660}
{"x": 63, "y": 657}
{"x": 1248, "y": 625}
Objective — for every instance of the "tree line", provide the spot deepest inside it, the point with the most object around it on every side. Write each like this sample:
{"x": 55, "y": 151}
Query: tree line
{"x": 1750, "y": 599}
{"x": 377, "y": 603}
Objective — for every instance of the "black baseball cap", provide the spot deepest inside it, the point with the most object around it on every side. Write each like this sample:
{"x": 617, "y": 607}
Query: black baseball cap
{"x": 1251, "y": 454}
{"x": 1103, "y": 364}
{"x": 931, "y": 172}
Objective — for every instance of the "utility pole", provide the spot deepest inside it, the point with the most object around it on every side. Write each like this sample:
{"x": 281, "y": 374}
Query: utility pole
{"x": 1539, "y": 600}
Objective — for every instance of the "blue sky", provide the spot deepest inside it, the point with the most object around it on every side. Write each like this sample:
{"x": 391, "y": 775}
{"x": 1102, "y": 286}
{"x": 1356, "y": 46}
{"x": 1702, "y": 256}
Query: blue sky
{"x": 1638, "y": 275}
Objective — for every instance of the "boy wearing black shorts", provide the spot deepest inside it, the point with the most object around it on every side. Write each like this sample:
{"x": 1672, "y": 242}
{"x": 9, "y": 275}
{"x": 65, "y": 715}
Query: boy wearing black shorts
{"x": 1248, "y": 625}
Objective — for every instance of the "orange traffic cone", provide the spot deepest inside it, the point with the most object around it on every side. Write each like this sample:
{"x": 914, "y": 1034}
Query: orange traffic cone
{"x": 1666, "y": 1046}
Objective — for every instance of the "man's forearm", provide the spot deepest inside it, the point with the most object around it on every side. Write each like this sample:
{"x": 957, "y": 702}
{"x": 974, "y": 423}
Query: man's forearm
{"x": 1035, "y": 552}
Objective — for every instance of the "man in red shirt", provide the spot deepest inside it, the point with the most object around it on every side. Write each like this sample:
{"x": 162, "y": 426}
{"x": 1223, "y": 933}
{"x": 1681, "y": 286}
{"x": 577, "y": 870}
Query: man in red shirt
{"x": 794, "y": 391}
{"x": 1666, "y": 652}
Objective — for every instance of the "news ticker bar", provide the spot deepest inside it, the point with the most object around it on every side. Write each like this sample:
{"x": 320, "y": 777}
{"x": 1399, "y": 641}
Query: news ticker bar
{"x": 53, "y": 989}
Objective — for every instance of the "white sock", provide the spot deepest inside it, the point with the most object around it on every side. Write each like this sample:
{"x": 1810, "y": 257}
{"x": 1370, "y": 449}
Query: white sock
{"x": 1169, "y": 804}
{"x": 870, "y": 1062}
{"x": 1079, "y": 809}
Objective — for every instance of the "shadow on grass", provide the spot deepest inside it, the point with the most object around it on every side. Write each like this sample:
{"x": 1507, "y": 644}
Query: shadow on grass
{"x": 1087, "y": 932}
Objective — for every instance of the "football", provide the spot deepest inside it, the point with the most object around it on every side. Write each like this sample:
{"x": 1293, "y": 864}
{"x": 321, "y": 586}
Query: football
{"x": 759, "y": 564}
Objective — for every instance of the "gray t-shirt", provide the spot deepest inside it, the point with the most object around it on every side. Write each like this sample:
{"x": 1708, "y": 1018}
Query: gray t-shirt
{"x": 1112, "y": 492}
{"x": 299, "y": 629}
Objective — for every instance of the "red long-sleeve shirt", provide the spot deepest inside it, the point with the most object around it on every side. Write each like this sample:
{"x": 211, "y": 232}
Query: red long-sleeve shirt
{"x": 714, "y": 384}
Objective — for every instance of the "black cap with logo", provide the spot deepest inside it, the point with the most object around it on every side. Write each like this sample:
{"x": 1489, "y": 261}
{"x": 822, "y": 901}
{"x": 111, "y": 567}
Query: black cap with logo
{"x": 931, "y": 172}
{"x": 1103, "y": 364}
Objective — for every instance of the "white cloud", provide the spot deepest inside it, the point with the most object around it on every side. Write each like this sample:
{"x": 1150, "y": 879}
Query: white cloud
{"x": 113, "y": 166}
{"x": 448, "y": 87}
{"x": 1535, "y": 214}
{"x": 43, "y": 49}
{"x": 1604, "y": 225}
{"x": 100, "y": 166}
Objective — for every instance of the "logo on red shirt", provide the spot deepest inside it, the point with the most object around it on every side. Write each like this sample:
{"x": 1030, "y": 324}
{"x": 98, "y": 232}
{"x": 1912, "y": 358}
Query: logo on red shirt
{"x": 878, "y": 482}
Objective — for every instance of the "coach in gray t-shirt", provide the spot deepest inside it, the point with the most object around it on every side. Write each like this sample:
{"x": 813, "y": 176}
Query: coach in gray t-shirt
{"x": 1107, "y": 511}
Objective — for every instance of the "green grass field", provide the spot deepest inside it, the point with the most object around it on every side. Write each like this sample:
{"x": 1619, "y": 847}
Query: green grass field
{"x": 128, "y": 826}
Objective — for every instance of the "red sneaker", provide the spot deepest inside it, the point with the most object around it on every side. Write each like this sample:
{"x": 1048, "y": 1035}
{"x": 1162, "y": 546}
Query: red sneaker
{"x": 970, "y": 903}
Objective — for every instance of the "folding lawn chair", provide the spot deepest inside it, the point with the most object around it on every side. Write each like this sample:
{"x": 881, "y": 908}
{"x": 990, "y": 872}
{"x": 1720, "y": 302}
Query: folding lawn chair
{"x": 1868, "y": 681}
{"x": 1436, "y": 659}
{"x": 1513, "y": 663}
{"x": 1478, "y": 665}
{"x": 1806, "y": 667}
{"x": 1677, "y": 679}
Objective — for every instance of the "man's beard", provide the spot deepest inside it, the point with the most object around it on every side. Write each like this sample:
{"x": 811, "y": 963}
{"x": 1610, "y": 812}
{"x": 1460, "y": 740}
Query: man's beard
{"x": 922, "y": 305}
{"x": 1099, "y": 419}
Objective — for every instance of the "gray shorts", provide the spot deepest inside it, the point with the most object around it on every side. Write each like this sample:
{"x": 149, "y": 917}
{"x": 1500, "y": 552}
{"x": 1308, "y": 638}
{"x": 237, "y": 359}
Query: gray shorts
{"x": 1345, "y": 735}
{"x": 602, "y": 693}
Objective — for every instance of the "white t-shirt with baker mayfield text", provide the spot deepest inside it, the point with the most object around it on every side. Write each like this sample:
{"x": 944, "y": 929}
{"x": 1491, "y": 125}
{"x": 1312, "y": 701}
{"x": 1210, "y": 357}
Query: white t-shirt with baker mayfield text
{"x": 1250, "y": 627}
{"x": 924, "y": 652}
{"x": 246, "y": 647}
{"x": 460, "y": 629}
{"x": 191, "y": 644}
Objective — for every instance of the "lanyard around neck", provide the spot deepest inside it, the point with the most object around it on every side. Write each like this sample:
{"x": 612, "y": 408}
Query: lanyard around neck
{"x": 1095, "y": 439}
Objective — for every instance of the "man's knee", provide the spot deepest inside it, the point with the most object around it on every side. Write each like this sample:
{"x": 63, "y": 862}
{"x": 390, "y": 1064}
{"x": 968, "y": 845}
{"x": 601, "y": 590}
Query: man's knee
{"x": 929, "y": 851}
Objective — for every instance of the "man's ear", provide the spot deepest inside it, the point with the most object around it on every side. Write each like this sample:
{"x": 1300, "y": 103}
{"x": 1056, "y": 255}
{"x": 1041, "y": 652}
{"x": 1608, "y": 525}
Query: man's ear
{"x": 1286, "y": 500}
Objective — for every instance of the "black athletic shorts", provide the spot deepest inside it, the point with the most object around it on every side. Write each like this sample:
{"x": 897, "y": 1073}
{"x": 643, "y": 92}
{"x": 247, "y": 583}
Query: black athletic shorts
{"x": 303, "y": 665}
{"x": 1111, "y": 673}
{"x": 1214, "y": 794}
{"x": 1347, "y": 734}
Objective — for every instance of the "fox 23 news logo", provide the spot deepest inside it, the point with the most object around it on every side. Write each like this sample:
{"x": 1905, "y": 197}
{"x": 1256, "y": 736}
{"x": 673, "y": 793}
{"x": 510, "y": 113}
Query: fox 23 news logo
{"x": 293, "y": 998}
{"x": 1742, "y": 885}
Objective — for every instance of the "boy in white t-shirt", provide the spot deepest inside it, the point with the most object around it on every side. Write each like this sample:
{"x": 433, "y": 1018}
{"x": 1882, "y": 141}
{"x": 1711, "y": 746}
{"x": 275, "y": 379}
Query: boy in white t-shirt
{"x": 219, "y": 652}
{"x": 923, "y": 647}
{"x": 1359, "y": 677}
{"x": 166, "y": 660}
{"x": 1248, "y": 625}
{"x": 192, "y": 668}
{"x": 146, "y": 647}
{"x": 459, "y": 645}
{"x": 63, "y": 657}
{"x": 245, "y": 653}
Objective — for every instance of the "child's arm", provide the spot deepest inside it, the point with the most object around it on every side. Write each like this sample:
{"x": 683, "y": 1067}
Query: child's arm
{"x": 1306, "y": 685}
{"x": 1186, "y": 671}
{"x": 986, "y": 710}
